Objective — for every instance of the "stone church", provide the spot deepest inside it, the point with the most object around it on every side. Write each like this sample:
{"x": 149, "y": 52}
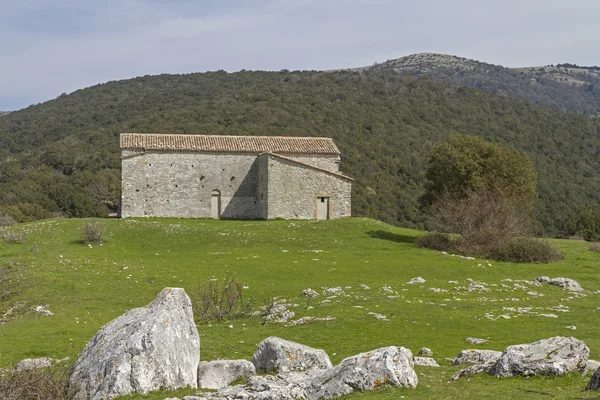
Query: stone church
{"x": 236, "y": 177}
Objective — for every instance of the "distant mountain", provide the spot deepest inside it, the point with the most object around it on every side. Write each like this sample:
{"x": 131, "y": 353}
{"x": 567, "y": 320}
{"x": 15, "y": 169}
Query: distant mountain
{"x": 565, "y": 87}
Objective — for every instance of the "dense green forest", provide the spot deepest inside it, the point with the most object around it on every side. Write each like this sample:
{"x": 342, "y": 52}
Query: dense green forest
{"x": 61, "y": 157}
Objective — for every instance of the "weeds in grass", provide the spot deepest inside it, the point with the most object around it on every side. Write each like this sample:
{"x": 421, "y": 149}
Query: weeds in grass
{"x": 12, "y": 236}
{"x": 92, "y": 232}
{"x": 216, "y": 300}
{"x": 47, "y": 383}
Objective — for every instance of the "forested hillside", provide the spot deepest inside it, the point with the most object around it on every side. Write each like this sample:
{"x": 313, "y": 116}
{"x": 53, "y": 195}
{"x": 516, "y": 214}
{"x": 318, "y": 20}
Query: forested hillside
{"x": 565, "y": 87}
{"x": 62, "y": 157}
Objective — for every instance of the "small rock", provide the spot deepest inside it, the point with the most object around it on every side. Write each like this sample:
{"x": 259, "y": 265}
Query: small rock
{"x": 310, "y": 293}
{"x": 425, "y": 362}
{"x": 220, "y": 373}
{"x": 43, "y": 310}
{"x": 474, "y": 356}
{"x": 280, "y": 355}
{"x": 418, "y": 279}
{"x": 425, "y": 352}
{"x": 278, "y": 313}
{"x": 592, "y": 365}
{"x": 471, "y": 370}
{"x": 472, "y": 340}
{"x": 35, "y": 363}
{"x": 572, "y": 327}
{"x": 565, "y": 283}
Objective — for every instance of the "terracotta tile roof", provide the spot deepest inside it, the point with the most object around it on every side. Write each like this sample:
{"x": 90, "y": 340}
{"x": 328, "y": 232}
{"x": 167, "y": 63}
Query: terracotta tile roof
{"x": 309, "y": 166}
{"x": 236, "y": 144}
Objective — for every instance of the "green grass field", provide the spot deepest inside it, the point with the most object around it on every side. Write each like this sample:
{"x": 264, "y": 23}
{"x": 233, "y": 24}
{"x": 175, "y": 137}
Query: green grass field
{"x": 87, "y": 286}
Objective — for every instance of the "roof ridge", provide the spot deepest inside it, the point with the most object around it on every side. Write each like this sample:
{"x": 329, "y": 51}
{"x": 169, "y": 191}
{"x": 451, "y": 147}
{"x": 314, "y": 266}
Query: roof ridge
{"x": 229, "y": 143}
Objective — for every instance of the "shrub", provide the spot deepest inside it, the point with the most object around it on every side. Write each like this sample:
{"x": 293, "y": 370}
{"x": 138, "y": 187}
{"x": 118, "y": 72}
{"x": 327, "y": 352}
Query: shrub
{"x": 436, "y": 241}
{"x": 526, "y": 250}
{"x": 216, "y": 300}
{"x": 92, "y": 232}
{"x": 12, "y": 236}
{"x": 588, "y": 223}
{"x": 7, "y": 220}
{"x": 484, "y": 219}
{"x": 50, "y": 383}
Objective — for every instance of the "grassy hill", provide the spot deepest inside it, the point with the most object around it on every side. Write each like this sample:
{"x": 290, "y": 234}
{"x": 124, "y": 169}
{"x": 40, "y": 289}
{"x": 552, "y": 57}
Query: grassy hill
{"x": 87, "y": 286}
{"x": 565, "y": 87}
{"x": 61, "y": 158}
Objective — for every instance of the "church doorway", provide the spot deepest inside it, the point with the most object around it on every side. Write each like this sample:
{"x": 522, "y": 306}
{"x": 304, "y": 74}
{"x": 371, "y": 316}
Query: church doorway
{"x": 215, "y": 204}
{"x": 322, "y": 207}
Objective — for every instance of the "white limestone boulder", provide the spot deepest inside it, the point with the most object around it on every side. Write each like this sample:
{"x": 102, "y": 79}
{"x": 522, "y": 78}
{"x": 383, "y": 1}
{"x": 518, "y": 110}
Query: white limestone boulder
{"x": 565, "y": 283}
{"x": 35, "y": 363}
{"x": 475, "y": 356}
{"x": 388, "y": 366}
{"x": 145, "y": 349}
{"x": 219, "y": 373}
{"x": 553, "y": 356}
{"x": 280, "y": 355}
{"x": 425, "y": 362}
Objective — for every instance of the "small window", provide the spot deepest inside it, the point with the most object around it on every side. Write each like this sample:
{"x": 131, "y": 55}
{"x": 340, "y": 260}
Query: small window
{"x": 176, "y": 185}
{"x": 322, "y": 199}
{"x": 149, "y": 164}
{"x": 261, "y": 196}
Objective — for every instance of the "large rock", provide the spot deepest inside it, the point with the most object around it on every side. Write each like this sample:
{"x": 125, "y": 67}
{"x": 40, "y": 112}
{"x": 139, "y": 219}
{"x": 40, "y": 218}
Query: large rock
{"x": 425, "y": 362}
{"x": 553, "y": 356}
{"x": 594, "y": 383}
{"x": 279, "y": 355}
{"x": 391, "y": 366}
{"x": 565, "y": 283}
{"x": 367, "y": 371}
{"x": 145, "y": 349}
{"x": 220, "y": 373}
{"x": 474, "y": 356}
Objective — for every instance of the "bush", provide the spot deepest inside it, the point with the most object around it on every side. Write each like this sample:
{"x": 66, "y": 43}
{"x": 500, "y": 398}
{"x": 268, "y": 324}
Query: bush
{"x": 436, "y": 241}
{"x": 588, "y": 223}
{"x": 6, "y": 220}
{"x": 92, "y": 232}
{"x": 484, "y": 219}
{"x": 12, "y": 236}
{"x": 216, "y": 300}
{"x": 526, "y": 250}
{"x": 40, "y": 384}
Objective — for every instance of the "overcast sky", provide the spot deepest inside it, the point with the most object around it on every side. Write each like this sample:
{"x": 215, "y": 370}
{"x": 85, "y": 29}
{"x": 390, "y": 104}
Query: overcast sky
{"x": 50, "y": 47}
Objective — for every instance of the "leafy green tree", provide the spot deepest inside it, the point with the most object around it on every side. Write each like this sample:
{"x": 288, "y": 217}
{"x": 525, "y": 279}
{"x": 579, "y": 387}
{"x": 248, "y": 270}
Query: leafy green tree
{"x": 465, "y": 164}
{"x": 588, "y": 223}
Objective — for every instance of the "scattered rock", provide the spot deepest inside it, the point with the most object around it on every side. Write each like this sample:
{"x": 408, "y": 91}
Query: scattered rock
{"x": 333, "y": 290}
{"x": 43, "y": 310}
{"x": 220, "y": 373}
{"x": 388, "y": 366}
{"x": 425, "y": 362}
{"x": 310, "y": 293}
{"x": 473, "y": 356}
{"x": 309, "y": 320}
{"x": 35, "y": 363}
{"x": 425, "y": 352}
{"x": 572, "y": 327}
{"x": 149, "y": 348}
{"x": 594, "y": 383}
{"x": 553, "y": 356}
{"x": 473, "y": 340}
{"x": 592, "y": 365}
{"x": 470, "y": 370}
{"x": 278, "y": 313}
{"x": 418, "y": 279}
{"x": 279, "y": 355}
{"x": 565, "y": 283}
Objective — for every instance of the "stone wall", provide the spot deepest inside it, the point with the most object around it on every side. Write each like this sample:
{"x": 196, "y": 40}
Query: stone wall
{"x": 178, "y": 184}
{"x": 293, "y": 189}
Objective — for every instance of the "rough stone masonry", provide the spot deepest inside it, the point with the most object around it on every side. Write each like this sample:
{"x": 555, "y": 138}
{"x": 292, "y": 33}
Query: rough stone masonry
{"x": 235, "y": 177}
